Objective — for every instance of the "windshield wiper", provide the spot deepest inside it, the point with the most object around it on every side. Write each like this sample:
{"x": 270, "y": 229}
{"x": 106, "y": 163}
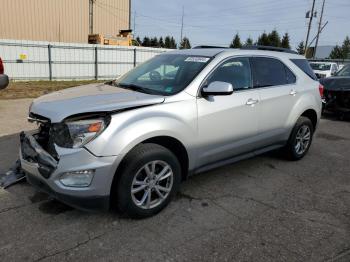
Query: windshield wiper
{"x": 137, "y": 88}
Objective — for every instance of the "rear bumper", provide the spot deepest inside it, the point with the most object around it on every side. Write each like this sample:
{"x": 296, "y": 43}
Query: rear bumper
{"x": 44, "y": 173}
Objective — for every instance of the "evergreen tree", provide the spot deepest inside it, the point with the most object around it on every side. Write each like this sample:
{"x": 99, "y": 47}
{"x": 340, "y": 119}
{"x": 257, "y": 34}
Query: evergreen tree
{"x": 236, "y": 42}
{"x": 263, "y": 40}
{"x": 341, "y": 52}
{"x": 285, "y": 41}
{"x": 249, "y": 41}
{"x": 167, "y": 42}
{"x": 146, "y": 41}
{"x": 173, "y": 44}
{"x": 161, "y": 42}
{"x": 154, "y": 42}
{"x": 185, "y": 43}
{"x": 301, "y": 48}
{"x": 337, "y": 53}
{"x": 274, "y": 38}
{"x": 138, "y": 40}
{"x": 346, "y": 48}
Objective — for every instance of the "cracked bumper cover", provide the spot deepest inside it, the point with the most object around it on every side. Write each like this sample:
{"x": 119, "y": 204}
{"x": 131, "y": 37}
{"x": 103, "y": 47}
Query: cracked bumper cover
{"x": 43, "y": 172}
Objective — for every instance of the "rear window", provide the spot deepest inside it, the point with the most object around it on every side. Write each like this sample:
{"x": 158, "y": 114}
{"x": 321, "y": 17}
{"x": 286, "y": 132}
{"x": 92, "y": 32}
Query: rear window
{"x": 270, "y": 72}
{"x": 291, "y": 78}
{"x": 304, "y": 65}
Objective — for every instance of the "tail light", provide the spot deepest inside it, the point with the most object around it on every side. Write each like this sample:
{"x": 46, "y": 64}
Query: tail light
{"x": 1, "y": 67}
{"x": 321, "y": 90}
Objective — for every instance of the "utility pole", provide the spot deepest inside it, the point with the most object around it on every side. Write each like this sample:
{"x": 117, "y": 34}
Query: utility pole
{"x": 130, "y": 14}
{"x": 319, "y": 28}
{"x": 309, "y": 27}
{"x": 91, "y": 16}
{"x": 313, "y": 39}
{"x": 182, "y": 23}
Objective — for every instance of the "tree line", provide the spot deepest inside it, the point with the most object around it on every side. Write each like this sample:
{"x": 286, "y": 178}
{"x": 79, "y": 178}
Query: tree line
{"x": 272, "y": 38}
{"x": 267, "y": 39}
{"x": 166, "y": 42}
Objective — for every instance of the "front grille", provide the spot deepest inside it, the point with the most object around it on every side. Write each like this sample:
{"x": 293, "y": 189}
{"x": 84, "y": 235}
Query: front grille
{"x": 44, "y": 137}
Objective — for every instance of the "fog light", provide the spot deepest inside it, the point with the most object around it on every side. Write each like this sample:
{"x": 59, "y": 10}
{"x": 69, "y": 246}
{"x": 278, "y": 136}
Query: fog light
{"x": 81, "y": 178}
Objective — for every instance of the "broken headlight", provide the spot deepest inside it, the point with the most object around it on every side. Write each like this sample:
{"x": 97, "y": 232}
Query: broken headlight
{"x": 76, "y": 133}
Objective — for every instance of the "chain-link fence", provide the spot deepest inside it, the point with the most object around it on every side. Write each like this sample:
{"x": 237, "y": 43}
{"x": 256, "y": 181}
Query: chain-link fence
{"x": 33, "y": 60}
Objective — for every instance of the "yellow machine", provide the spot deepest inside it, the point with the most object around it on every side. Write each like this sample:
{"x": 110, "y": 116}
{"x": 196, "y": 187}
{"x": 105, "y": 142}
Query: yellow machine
{"x": 124, "y": 38}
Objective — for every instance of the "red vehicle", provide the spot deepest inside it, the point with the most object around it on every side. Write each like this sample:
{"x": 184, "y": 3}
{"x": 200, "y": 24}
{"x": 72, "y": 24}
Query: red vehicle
{"x": 4, "y": 80}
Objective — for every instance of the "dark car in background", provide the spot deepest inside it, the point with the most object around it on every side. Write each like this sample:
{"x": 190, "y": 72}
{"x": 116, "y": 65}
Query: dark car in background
{"x": 4, "y": 80}
{"x": 337, "y": 92}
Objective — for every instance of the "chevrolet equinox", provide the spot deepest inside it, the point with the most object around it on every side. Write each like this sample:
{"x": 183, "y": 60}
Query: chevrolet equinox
{"x": 129, "y": 143}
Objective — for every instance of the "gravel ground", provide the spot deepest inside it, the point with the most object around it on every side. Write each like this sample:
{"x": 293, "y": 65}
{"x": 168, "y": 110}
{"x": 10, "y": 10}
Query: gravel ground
{"x": 261, "y": 209}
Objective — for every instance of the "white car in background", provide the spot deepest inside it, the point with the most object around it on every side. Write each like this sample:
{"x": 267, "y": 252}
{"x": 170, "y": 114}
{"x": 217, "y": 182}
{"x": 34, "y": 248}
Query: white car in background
{"x": 324, "y": 69}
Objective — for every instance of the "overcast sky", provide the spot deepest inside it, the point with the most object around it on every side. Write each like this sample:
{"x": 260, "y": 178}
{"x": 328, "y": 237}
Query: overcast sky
{"x": 215, "y": 22}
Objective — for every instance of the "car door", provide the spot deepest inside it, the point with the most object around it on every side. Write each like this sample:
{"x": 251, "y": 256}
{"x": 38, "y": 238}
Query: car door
{"x": 227, "y": 125}
{"x": 278, "y": 93}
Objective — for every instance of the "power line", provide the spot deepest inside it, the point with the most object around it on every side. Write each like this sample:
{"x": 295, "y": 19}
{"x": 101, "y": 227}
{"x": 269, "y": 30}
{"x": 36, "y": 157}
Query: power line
{"x": 110, "y": 12}
{"x": 134, "y": 22}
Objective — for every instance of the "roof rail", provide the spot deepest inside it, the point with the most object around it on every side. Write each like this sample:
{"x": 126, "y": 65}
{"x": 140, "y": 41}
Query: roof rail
{"x": 268, "y": 48}
{"x": 207, "y": 46}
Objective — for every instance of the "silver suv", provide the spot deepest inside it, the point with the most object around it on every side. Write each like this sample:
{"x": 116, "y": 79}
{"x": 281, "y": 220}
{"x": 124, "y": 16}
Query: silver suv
{"x": 130, "y": 142}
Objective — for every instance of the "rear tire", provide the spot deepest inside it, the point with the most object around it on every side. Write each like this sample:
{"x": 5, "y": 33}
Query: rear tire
{"x": 150, "y": 176}
{"x": 300, "y": 139}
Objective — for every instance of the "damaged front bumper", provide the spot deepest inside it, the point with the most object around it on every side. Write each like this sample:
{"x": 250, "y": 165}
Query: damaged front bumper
{"x": 33, "y": 153}
{"x": 45, "y": 172}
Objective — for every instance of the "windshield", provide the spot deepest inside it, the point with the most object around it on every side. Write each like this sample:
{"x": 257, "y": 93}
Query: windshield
{"x": 320, "y": 67}
{"x": 165, "y": 74}
{"x": 345, "y": 71}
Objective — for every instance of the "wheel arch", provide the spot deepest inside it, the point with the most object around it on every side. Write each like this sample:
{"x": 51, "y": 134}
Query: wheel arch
{"x": 312, "y": 115}
{"x": 169, "y": 142}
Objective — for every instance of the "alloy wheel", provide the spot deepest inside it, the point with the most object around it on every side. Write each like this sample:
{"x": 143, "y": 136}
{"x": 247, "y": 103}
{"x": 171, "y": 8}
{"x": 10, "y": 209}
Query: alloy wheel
{"x": 152, "y": 184}
{"x": 302, "y": 139}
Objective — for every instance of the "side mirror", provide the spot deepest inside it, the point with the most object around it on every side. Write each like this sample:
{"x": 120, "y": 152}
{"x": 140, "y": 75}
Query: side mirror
{"x": 4, "y": 81}
{"x": 218, "y": 88}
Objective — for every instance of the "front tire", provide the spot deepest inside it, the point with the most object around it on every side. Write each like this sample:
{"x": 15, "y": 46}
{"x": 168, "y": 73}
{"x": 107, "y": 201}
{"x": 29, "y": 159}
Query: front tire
{"x": 300, "y": 139}
{"x": 150, "y": 176}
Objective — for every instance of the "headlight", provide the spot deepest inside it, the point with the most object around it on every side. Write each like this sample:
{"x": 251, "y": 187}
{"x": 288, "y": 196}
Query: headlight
{"x": 76, "y": 133}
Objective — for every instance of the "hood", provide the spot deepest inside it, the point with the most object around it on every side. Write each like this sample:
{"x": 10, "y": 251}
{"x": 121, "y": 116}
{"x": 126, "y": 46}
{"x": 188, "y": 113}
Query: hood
{"x": 89, "y": 99}
{"x": 336, "y": 83}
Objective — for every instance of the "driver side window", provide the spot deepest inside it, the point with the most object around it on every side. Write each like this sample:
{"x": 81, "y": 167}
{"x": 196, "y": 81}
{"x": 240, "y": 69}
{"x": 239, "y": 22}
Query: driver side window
{"x": 235, "y": 71}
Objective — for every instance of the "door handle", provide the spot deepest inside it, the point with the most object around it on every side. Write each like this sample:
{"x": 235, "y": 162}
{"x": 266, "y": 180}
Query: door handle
{"x": 251, "y": 102}
{"x": 293, "y": 92}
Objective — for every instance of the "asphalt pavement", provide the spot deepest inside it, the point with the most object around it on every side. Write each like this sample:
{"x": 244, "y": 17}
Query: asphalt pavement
{"x": 261, "y": 209}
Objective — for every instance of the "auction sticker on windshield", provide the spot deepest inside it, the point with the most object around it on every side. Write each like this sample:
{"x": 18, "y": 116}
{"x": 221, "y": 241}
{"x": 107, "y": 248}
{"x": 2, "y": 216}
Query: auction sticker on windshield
{"x": 197, "y": 59}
